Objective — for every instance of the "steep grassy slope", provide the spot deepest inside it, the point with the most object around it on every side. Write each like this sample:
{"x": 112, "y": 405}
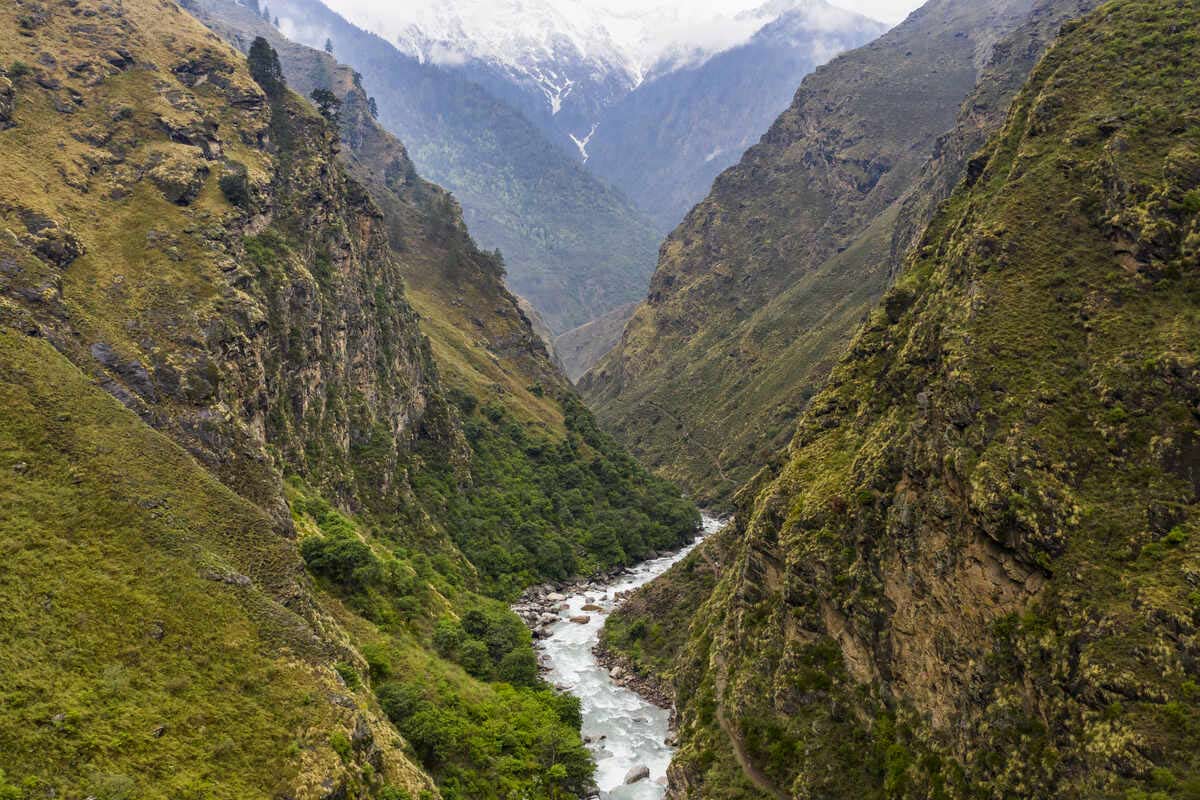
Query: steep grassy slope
{"x": 552, "y": 496}
{"x": 575, "y": 247}
{"x": 975, "y": 574}
{"x": 158, "y": 637}
{"x": 480, "y": 341}
{"x": 759, "y": 289}
{"x": 190, "y": 243}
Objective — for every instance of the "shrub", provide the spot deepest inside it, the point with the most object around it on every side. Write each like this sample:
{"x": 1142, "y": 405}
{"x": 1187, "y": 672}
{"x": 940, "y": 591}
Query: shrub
{"x": 349, "y": 675}
{"x": 379, "y": 661}
{"x": 341, "y": 745}
{"x": 235, "y": 185}
{"x": 342, "y": 558}
{"x": 519, "y": 667}
{"x": 399, "y": 701}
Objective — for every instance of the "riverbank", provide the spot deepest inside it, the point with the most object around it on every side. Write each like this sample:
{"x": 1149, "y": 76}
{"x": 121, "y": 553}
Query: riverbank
{"x": 627, "y": 718}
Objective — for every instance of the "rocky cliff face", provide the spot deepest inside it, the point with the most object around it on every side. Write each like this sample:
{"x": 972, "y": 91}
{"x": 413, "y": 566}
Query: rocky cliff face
{"x": 575, "y": 247}
{"x": 183, "y": 239}
{"x": 759, "y": 289}
{"x": 205, "y": 258}
{"x": 974, "y": 574}
{"x": 481, "y": 337}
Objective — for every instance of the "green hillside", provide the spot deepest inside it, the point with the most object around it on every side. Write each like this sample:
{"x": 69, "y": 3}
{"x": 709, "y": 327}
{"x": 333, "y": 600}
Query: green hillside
{"x": 760, "y": 288}
{"x": 973, "y": 574}
{"x": 235, "y": 571}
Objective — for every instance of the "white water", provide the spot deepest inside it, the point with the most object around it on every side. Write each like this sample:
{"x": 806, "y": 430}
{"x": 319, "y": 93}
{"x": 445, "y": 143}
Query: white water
{"x": 634, "y": 730}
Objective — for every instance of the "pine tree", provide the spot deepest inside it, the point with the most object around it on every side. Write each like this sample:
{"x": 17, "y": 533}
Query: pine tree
{"x": 329, "y": 46}
{"x": 276, "y": 22}
{"x": 266, "y": 13}
{"x": 373, "y": 107}
{"x": 264, "y": 68}
{"x": 327, "y": 103}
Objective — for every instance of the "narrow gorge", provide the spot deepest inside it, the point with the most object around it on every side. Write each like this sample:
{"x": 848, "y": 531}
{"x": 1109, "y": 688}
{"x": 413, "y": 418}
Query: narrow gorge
{"x": 321, "y": 480}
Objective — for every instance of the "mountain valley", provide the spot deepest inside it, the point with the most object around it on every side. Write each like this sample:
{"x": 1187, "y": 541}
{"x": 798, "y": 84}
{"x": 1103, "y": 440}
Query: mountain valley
{"x": 353, "y": 441}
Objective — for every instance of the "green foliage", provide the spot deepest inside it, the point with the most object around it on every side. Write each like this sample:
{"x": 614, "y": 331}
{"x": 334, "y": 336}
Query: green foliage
{"x": 264, "y": 66}
{"x": 542, "y": 510}
{"x": 342, "y": 558}
{"x": 9, "y": 791}
{"x": 349, "y": 675}
{"x": 490, "y": 746}
{"x": 379, "y": 661}
{"x": 328, "y": 104}
{"x": 235, "y": 185}
{"x": 480, "y": 718}
{"x": 490, "y": 645}
{"x": 340, "y": 743}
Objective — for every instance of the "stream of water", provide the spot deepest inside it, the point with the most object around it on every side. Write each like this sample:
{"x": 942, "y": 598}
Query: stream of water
{"x": 625, "y": 731}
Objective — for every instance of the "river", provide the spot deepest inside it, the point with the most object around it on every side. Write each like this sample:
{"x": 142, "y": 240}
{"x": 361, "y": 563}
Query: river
{"x": 623, "y": 730}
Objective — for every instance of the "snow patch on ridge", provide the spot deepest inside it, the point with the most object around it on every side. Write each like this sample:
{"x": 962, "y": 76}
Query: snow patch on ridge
{"x": 563, "y": 47}
{"x": 583, "y": 143}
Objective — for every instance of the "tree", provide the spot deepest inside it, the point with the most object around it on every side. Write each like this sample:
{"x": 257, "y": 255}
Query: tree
{"x": 327, "y": 103}
{"x": 264, "y": 68}
{"x": 519, "y": 667}
{"x": 277, "y": 22}
{"x": 373, "y": 107}
{"x": 266, "y": 13}
{"x": 328, "y": 45}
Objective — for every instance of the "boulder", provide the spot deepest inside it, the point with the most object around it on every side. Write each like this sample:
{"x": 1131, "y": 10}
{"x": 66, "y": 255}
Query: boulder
{"x": 639, "y": 773}
{"x": 582, "y": 619}
{"x": 555, "y": 597}
{"x": 179, "y": 178}
{"x": 7, "y": 96}
{"x": 592, "y": 607}
{"x": 615, "y": 673}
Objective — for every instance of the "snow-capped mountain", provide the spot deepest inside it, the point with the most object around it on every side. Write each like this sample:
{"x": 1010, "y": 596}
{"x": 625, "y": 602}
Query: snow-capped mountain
{"x": 563, "y": 62}
{"x": 665, "y": 142}
{"x": 558, "y": 56}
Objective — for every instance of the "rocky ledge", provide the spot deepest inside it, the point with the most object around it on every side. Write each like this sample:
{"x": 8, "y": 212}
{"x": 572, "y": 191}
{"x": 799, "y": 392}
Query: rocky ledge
{"x": 651, "y": 688}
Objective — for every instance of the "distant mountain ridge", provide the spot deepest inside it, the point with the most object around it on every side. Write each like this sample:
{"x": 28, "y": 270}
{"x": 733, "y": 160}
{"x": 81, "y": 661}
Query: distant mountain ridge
{"x": 657, "y": 102}
{"x": 760, "y": 288}
{"x": 664, "y": 143}
{"x": 573, "y": 246}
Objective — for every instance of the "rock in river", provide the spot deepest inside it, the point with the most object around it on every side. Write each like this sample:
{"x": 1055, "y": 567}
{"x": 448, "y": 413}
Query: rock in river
{"x": 638, "y": 773}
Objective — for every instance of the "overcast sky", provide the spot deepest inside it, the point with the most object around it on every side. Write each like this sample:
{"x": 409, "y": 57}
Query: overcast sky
{"x": 637, "y": 33}
{"x": 889, "y": 11}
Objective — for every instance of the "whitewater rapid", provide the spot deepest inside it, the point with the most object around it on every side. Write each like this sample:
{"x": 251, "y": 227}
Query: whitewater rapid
{"x": 623, "y": 730}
